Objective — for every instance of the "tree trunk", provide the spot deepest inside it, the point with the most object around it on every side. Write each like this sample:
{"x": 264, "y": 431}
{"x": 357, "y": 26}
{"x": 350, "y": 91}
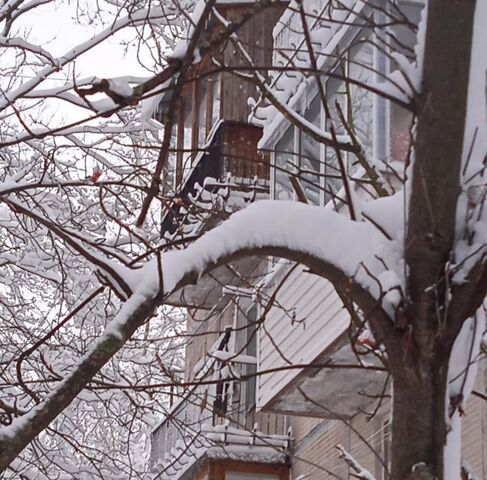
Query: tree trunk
{"x": 419, "y": 422}
{"x": 420, "y": 369}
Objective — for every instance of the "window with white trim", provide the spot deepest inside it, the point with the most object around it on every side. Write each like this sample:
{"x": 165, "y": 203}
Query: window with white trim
{"x": 382, "y": 127}
{"x": 403, "y": 41}
{"x": 284, "y": 159}
{"x": 297, "y": 154}
{"x": 392, "y": 123}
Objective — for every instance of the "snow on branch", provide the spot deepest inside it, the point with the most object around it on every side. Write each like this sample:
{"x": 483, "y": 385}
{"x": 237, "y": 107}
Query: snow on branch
{"x": 320, "y": 238}
{"x": 289, "y": 228}
{"x": 20, "y": 43}
{"x": 73, "y": 129}
{"x": 357, "y": 470}
{"x": 134, "y": 19}
{"x": 110, "y": 272}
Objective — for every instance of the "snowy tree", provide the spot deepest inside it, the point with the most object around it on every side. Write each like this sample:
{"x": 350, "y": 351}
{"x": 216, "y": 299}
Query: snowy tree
{"x": 71, "y": 171}
{"x": 417, "y": 279}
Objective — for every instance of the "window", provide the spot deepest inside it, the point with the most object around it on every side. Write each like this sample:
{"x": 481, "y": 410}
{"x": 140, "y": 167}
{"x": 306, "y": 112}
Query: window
{"x": 187, "y": 136}
{"x": 251, "y": 369}
{"x": 403, "y": 38}
{"x": 356, "y": 104}
{"x": 284, "y": 159}
{"x": 223, "y": 394}
{"x": 310, "y": 156}
{"x": 298, "y": 154}
{"x": 202, "y": 108}
{"x": 361, "y": 64}
{"x": 404, "y": 41}
{"x": 214, "y": 101}
{"x": 335, "y": 94}
{"x": 245, "y": 343}
{"x": 385, "y": 449}
{"x": 393, "y": 123}
{"x": 169, "y": 177}
{"x": 382, "y": 128}
{"x": 199, "y": 110}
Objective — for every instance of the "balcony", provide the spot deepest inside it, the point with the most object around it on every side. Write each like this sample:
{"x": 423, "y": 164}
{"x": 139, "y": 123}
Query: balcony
{"x": 307, "y": 330}
{"x": 205, "y": 432}
{"x": 227, "y": 174}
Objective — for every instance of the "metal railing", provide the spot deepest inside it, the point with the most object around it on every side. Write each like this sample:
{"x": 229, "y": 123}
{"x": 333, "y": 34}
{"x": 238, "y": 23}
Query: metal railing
{"x": 217, "y": 412}
{"x": 229, "y": 162}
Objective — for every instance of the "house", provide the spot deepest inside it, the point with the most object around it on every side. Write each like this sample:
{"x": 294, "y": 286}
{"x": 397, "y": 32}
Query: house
{"x": 216, "y": 168}
{"x": 270, "y": 316}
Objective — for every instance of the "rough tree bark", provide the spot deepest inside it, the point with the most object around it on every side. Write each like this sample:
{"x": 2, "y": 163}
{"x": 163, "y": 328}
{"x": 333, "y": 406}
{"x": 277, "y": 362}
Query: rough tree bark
{"x": 420, "y": 341}
{"x": 420, "y": 370}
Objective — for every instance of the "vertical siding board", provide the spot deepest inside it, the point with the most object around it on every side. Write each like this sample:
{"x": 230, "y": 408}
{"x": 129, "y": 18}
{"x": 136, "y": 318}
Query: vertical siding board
{"x": 473, "y": 429}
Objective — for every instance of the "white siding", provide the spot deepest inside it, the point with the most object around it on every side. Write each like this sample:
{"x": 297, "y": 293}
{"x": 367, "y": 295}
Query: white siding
{"x": 308, "y": 317}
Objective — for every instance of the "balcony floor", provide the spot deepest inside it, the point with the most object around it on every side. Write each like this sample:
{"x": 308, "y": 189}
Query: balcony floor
{"x": 331, "y": 392}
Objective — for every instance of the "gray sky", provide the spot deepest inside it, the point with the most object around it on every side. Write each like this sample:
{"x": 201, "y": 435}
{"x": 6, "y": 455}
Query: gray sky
{"x": 53, "y": 27}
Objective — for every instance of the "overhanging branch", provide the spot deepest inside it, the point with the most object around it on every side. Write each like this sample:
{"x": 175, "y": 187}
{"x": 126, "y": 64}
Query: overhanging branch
{"x": 180, "y": 269}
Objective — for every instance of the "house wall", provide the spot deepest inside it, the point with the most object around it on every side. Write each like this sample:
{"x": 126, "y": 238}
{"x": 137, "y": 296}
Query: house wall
{"x": 296, "y": 331}
{"x": 256, "y": 37}
{"x": 209, "y": 95}
{"x": 308, "y": 316}
{"x": 314, "y": 452}
{"x": 474, "y": 429}
{"x": 315, "y": 440}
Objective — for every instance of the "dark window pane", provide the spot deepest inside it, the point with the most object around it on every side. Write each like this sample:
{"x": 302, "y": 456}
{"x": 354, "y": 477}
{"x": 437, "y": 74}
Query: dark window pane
{"x": 310, "y": 153}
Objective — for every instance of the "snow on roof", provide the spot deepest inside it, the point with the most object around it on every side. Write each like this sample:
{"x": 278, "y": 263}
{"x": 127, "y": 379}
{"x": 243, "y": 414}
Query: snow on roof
{"x": 222, "y": 442}
{"x": 291, "y": 54}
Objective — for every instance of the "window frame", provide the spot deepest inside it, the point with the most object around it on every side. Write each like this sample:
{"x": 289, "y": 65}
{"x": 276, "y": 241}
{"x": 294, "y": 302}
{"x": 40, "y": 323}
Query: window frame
{"x": 381, "y": 109}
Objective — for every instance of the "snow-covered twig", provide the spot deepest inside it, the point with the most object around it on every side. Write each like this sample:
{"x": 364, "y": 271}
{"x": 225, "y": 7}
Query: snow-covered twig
{"x": 358, "y": 471}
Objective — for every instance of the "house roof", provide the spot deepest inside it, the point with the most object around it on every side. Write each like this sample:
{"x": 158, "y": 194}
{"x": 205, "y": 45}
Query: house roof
{"x": 222, "y": 442}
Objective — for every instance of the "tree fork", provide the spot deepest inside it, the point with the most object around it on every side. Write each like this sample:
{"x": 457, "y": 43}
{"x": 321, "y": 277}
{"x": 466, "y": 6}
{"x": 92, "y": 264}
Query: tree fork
{"x": 442, "y": 107}
{"x": 419, "y": 425}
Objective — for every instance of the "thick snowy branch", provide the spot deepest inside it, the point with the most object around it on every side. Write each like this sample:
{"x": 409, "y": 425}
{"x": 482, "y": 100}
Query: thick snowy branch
{"x": 140, "y": 17}
{"x": 311, "y": 235}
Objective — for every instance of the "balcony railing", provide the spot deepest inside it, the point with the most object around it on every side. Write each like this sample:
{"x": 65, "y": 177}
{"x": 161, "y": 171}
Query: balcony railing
{"x": 213, "y": 416}
{"x": 228, "y": 163}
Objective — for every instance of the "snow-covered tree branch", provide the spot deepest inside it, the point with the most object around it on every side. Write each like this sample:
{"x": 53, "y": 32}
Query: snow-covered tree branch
{"x": 113, "y": 208}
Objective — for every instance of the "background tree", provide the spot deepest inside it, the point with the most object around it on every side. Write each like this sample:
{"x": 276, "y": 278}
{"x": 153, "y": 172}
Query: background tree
{"x": 417, "y": 280}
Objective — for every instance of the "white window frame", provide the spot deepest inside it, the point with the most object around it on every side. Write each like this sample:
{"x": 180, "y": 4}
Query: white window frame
{"x": 381, "y": 142}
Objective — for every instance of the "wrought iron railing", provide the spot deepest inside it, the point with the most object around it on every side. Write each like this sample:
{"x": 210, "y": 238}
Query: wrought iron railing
{"x": 230, "y": 161}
